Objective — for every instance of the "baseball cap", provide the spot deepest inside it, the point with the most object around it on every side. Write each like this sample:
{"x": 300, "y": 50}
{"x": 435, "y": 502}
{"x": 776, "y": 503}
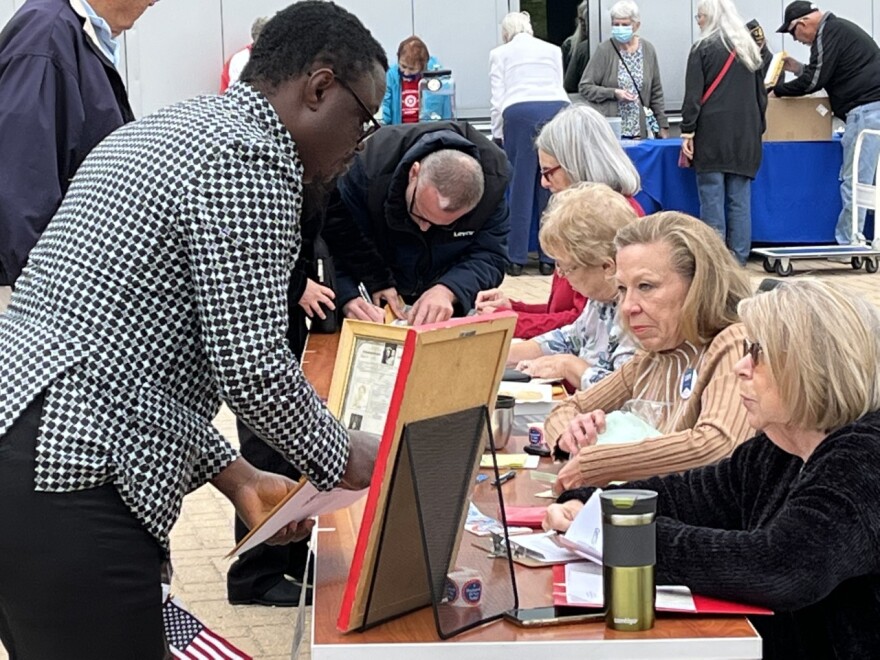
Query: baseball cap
{"x": 796, "y": 10}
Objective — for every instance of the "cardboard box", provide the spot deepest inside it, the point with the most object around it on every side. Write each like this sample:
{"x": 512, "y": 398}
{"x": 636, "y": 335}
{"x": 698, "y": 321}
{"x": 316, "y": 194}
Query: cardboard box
{"x": 798, "y": 119}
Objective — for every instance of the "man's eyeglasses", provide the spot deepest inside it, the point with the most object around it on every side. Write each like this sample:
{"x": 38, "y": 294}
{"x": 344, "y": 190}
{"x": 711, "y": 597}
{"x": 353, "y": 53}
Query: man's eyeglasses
{"x": 411, "y": 211}
{"x": 565, "y": 272}
{"x": 370, "y": 125}
{"x": 547, "y": 172}
{"x": 753, "y": 349}
{"x": 793, "y": 29}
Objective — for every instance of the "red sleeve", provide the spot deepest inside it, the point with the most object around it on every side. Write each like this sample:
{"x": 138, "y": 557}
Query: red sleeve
{"x": 563, "y": 308}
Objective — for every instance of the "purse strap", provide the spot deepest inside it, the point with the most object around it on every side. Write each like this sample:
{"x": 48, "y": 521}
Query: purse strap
{"x": 631, "y": 77}
{"x": 719, "y": 77}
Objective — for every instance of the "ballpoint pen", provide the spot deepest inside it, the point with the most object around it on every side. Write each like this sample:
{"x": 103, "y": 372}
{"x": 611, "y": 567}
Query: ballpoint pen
{"x": 507, "y": 476}
{"x": 363, "y": 291}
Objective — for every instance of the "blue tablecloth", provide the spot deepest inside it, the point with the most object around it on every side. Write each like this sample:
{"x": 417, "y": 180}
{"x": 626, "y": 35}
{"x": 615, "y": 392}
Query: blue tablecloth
{"x": 795, "y": 197}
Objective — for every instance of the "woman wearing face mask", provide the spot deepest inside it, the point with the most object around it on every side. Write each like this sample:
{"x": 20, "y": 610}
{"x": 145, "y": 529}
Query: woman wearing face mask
{"x": 623, "y": 78}
{"x": 402, "y": 103}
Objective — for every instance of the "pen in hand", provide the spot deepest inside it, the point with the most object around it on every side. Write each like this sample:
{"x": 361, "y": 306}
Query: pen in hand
{"x": 507, "y": 476}
{"x": 364, "y": 294}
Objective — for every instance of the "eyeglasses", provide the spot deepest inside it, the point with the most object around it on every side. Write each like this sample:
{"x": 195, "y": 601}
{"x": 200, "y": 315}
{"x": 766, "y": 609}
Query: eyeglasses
{"x": 753, "y": 349}
{"x": 565, "y": 272}
{"x": 793, "y": 29}
{"x": 411, "y": 211}
{"x": 370, "y": 125}
{"x": 547, "y": 172}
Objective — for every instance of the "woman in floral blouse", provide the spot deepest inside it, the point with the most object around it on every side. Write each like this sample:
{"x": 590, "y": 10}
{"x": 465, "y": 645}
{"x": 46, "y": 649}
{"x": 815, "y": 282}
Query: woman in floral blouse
{"x": 578, "y": 231}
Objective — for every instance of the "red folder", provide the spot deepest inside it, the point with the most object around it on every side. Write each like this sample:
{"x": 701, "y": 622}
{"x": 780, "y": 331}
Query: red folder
{"x": 525, "y": 516}
{"x": 703, "y": 604}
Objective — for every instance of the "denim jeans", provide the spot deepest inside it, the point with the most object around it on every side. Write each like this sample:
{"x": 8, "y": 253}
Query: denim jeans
{"x": 726, "y": 206}
{"x": 859, "y": 118}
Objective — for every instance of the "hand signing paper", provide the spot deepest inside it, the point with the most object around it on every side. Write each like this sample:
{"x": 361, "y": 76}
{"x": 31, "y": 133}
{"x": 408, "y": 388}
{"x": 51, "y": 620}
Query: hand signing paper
{"x": 434, "y": 306}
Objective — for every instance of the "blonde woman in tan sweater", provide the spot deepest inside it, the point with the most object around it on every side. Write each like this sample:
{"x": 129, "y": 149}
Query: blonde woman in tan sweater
{"x": 679, "y": 289}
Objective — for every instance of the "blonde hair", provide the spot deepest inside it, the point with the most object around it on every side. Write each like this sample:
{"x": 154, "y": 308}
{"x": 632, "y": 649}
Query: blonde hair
{"x": 717, "y": 282}
{"x": 515, "y": 23}
{"x": 724, "y": 22}
{"x": 581, "y": 222}
{"x": 822, "y": 346}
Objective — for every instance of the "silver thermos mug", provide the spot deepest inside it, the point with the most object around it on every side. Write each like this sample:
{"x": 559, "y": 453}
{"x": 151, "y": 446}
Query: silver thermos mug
{"x": 629, "y": 551}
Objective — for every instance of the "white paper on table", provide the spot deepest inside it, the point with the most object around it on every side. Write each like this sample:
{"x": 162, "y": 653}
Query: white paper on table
{"x": 542, "y": 547}
{"x": 584, "y": 586}
{"x": 307, "y": 502}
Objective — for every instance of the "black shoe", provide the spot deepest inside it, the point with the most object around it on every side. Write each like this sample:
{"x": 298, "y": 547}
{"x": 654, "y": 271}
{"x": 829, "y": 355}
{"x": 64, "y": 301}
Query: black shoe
{"x": 546, "y": 268}
{"x": 514, "y": 270}
{"x": 283, "y": 594}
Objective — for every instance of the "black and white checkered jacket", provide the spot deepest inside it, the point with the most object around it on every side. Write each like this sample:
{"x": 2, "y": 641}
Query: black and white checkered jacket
{"x": 158, "y": 290}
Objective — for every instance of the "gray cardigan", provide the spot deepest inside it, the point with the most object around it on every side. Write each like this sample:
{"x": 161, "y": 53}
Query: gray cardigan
{"x": 599, "y": 82}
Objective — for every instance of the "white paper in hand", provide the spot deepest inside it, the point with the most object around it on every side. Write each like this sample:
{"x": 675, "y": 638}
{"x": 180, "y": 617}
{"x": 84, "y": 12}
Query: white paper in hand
{"x": 306, "y": 502}
{"x": 584, "y": 536}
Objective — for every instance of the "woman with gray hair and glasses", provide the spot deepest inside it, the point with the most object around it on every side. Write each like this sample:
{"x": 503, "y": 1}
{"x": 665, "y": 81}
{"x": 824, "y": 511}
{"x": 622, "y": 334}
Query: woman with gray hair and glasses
{"x": 623, "y": 77}
{"x": 576, "y": 146}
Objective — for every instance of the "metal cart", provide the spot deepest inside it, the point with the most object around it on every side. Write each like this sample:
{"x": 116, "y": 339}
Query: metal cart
{"x": 865, "y": 195}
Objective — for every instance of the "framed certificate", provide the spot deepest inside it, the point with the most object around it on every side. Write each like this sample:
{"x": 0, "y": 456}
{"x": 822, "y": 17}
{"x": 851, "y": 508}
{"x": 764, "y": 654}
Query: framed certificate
{"x": 388, "y": 379}
{"x": 366, "y": 369}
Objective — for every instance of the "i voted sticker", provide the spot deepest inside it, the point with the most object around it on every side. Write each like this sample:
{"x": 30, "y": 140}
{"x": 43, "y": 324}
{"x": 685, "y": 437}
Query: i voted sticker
{"x": 688, "y": 381}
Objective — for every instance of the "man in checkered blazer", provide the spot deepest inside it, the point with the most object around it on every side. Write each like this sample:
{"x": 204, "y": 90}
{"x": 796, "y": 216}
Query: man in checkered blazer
{"x": 158, "y": 290}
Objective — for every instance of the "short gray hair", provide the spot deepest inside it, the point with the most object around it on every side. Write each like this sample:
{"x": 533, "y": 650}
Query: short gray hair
{"x": 582, "y": 141}
{"x": 458, "y": 178}
{"x": 822, "y": 345}
{"x": 626, "y": 9}
{"x": 257, "y": 27}
{"x": 515, "y": 23}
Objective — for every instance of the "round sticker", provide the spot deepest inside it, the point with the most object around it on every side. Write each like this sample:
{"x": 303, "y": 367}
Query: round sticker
{"x": 434, "y": 84}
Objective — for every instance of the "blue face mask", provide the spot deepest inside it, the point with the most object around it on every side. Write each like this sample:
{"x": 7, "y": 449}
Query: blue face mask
{"x": 622, "y": 33}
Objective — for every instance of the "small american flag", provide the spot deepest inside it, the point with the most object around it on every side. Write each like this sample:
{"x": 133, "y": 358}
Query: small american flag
{"x": 189, "y": 638}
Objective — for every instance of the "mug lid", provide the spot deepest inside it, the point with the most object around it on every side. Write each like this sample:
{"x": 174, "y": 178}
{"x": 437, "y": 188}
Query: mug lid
{"x": 628, "y": 501}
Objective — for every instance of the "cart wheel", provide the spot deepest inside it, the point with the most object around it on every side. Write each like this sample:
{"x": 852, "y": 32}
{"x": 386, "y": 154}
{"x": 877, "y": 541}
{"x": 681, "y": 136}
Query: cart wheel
{"x": 871, "y": 265}
{"x": 856, "y": 263}
{"x": 768, "y": 265}
{"x": 783, "y": 271}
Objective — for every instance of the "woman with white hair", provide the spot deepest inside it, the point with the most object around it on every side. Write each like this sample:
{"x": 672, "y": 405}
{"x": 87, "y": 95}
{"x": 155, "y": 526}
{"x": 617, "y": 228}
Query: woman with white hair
{"x": 623, "y": 77}
{"x": 722, "y": 121}
{"x": 791, "y": 521}
{"x": 526, "y": 80}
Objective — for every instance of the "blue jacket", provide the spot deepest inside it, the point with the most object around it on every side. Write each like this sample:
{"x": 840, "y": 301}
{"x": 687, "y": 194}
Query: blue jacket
{"x": 60, "y": 97}
{"x": 391, "y": 102}
{"x": 373, "y": 193}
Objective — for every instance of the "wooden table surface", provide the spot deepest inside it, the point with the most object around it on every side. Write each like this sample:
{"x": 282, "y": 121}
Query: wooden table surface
{"x": 414, "y": 635}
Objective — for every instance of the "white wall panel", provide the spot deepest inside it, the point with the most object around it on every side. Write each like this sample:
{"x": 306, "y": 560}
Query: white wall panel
{"x": 7, "y": 9}
{"x": 172, "y": 53}
{"x": 462, "y": 43}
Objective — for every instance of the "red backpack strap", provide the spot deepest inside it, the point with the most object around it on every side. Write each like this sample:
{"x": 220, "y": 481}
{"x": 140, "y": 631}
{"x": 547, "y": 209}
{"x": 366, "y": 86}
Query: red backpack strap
{"x": 719, "y": 77}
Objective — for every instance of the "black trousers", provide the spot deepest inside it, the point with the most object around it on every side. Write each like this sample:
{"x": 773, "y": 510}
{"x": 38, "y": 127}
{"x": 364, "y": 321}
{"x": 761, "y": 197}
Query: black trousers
{"x": 258, "y": 570}
{"x": 79, "y": 575}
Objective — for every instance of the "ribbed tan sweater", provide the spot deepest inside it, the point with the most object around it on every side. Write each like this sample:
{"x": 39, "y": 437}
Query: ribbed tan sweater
{"x": 699, "y": 429}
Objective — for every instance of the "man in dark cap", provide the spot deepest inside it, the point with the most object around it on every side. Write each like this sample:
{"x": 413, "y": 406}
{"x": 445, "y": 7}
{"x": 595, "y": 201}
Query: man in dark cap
{"x": 845, "y": 61}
